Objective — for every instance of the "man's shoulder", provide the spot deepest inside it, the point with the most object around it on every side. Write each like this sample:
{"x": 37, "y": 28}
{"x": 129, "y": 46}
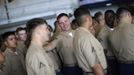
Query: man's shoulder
{"x": 60, "y": 35}
{"x": 8, "y": 52}
{"x": 31, "y": 52}
{"x": 130, "y": 26}
{"x": 80, "y": 31}
{"x": 31, "y": 49}
{"x": 82, "y": 35}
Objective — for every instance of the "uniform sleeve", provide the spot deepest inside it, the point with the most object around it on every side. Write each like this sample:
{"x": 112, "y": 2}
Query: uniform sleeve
{"x": 1, "y": 58}
{"x": 38, "y": 65}
{"x": 88, "y": 52}
{"x": 129, "y": 37}
{"x": 34, "y": 64}
{"x": 42, "y": 66}
{"x": 52, "y": 45}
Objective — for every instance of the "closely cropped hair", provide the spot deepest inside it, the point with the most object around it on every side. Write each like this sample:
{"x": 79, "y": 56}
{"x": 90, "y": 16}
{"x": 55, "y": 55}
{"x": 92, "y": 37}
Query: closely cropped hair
{"x": 31, "y": 25}
{"x": 20, "y": 29}
{"x": 110, "y": 17}
{"x": 55, "y": 25}
{"x": 97, "y": 16}
{"x": 50, "y": 28}
{"x": 4, "y": 37}
{"x": 121, "y": 12}
{"x": 79, "y": 12}
{"x": 61, "y": 15}
{"x": 110, "y": 12}
{"x": 74, "y": 24}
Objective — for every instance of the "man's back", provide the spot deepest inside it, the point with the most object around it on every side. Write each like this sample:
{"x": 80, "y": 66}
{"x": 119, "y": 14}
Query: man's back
{"x": 103, "y": 39}
{"x": 88, "y": 50}
{"x": 122, "y": 40}
{"x": 38, "y": 62}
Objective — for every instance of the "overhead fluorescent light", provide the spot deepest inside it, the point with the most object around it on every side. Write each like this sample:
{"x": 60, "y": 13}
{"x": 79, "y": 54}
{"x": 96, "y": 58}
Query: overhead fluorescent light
{"x": 108, "y": 4}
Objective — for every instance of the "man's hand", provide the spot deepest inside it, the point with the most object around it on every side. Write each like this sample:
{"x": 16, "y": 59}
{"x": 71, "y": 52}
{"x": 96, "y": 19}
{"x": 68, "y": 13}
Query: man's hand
{"x": 98, "y": 70}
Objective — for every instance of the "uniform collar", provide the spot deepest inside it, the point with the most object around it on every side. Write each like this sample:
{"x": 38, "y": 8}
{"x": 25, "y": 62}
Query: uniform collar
{"x": 20, "y": 42}
{"x": 69, "y": 33}
{"x": 111, "y": 29}
{"x": 9, "y": 51}
{"x": 37, "y": 46}
{"x": 82, "y": 28}
{"x": 123, "y": 23}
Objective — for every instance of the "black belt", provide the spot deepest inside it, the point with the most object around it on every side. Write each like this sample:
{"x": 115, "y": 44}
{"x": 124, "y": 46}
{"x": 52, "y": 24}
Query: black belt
{"x": 70, "y": 65}
{"x": 88, "y": 73}
{"x": 111, "y": 57}
{"x": 58, "y": 70}
{"x": 127, "y": 62}
{"x": 105, "y": 71}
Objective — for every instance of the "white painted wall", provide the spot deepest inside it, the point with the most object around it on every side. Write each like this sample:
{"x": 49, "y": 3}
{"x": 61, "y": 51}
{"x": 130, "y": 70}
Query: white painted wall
{"x": 20, "y": 10}
{"x": 10, "y": 28}
{"x": 26, "y": 9}
{"x": 103, "y": 9}
{"x": 3, "y": 17}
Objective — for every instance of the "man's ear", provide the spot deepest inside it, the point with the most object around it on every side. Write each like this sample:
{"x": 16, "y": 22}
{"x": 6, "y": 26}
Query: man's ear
{"x": 90, "y": 18}
{"x": 130, "y": 15}
{"x": 16, "y": 35}
{"x": 85, "y": 18}
{"x": 5, "y": 43}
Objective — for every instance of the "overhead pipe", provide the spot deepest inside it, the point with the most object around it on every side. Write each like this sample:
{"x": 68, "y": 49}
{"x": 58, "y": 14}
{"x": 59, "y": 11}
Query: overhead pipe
{"x": 7, "y": 12}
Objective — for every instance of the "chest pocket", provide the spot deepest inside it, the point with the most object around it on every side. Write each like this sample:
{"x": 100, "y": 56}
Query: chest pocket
{"x": 41, "y": 65}
{"x": 45, "y": 69}
{"x": 93, "y": 50}
{"x": 42, "y": 69}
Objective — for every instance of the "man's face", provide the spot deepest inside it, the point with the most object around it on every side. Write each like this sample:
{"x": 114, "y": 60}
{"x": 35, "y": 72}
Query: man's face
{"x": 102, "y": 20}
{"x": 22, "y": 35}
{"x": 44, "y": 32}
{"x": 64, "y": 23}
{"x": 11, "y": 41}
{"x": 95, "y": 23}
{"x": 130, "y": 17}
{"x": 90, "y": 21}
